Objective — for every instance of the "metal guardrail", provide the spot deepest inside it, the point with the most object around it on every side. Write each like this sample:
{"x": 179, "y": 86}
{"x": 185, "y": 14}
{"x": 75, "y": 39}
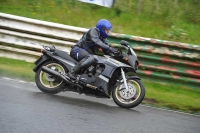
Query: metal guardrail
{"x": 165, "y": 61}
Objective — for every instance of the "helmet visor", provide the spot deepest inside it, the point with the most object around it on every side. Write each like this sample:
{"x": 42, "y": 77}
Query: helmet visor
{"x": 107, "y": 31}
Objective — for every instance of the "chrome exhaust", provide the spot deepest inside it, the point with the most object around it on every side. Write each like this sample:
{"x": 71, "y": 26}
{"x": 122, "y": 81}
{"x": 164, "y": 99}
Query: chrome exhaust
{"x": 54, "y": 73}
{"x": 91, "y": 86}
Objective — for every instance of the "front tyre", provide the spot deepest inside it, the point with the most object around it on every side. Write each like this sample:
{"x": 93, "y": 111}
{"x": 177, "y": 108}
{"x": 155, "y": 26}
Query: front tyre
{"x": 129, "y": 98}
{"x": 48, "y": 83}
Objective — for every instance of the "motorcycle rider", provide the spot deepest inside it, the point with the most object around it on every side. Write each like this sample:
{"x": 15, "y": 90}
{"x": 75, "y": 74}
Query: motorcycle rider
{"x": 90, "y": 42}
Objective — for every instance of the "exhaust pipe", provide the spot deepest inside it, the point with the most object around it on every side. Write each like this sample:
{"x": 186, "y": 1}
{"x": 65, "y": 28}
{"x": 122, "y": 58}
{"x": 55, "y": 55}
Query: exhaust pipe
{"x": 91, "y": 86}
{"x": 59, "y": 75}
{"x": 54, "y": 73}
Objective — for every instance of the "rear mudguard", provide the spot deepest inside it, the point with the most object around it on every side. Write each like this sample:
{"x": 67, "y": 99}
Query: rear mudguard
{"x": 45, "y": 58}
{"x": 40, "y": 61}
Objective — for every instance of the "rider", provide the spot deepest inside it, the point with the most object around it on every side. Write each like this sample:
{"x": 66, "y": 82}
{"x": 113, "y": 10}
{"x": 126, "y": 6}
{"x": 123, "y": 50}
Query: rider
{"x": 92, "y": 40}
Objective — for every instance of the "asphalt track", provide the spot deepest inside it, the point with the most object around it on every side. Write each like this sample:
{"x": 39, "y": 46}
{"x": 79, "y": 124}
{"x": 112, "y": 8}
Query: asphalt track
{"x": 24, "y": 109}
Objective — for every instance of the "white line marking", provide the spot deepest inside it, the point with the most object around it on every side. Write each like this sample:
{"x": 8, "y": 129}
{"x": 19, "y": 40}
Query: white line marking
{"x": 16, "y": 80}
{"x": 169, "y": 110}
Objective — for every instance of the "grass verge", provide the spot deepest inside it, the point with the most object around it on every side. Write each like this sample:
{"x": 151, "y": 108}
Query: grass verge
{"x": 16, "y": 69}
{"x": 168, "y": 96}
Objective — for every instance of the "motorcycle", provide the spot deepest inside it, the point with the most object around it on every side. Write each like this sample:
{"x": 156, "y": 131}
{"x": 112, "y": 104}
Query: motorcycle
{"x": 111, "y": 76}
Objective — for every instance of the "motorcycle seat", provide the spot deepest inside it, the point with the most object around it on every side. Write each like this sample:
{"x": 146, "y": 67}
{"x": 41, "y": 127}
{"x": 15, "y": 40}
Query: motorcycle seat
{"x": 64, "y": 55}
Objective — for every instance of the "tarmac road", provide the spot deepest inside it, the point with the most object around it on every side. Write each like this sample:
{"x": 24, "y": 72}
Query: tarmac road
{"x": 24, "y": 109}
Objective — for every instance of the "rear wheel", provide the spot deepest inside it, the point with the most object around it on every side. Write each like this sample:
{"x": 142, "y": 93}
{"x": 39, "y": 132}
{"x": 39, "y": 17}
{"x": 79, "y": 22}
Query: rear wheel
{"x": 131, "y": 97}
{"x": 49, "y": 83}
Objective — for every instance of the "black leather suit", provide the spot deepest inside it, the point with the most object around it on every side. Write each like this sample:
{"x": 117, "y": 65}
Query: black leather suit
{"x": 85, "y": 48}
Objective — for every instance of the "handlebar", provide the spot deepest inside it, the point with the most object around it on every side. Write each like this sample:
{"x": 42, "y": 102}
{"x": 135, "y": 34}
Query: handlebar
{"x": 116, "y": 53}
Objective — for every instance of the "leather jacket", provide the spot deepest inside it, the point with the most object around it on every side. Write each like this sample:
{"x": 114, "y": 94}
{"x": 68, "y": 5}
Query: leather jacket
{"x": 92, "y": 40}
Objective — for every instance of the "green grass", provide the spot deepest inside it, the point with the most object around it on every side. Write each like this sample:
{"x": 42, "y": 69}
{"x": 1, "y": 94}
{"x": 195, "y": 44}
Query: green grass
{"x": 16, "y": 69}
{"x": 169, "y": 96}
{"x": 156, "y": 19}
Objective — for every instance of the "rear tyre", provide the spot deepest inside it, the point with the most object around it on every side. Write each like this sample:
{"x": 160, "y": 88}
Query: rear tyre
{"x": 48, "y": 83}
{"x": 129, "y": 98}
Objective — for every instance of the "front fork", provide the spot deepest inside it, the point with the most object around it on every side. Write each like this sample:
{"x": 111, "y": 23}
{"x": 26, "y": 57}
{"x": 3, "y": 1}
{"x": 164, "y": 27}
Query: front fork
{"x": 124, "y": 79}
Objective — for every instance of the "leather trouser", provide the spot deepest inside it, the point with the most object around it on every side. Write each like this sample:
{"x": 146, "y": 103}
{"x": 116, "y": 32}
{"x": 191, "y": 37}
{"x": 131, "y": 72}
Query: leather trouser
{"x": 85, "y": 59}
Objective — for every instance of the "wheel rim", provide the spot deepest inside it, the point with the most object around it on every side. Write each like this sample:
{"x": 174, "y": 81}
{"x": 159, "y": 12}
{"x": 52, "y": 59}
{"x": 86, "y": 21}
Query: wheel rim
{"x": 128, "y": 96}
{"x": 51, "y": 81}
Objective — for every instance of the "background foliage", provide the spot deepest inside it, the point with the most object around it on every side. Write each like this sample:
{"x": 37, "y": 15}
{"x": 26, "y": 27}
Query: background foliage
{"x": 175, "y": 20}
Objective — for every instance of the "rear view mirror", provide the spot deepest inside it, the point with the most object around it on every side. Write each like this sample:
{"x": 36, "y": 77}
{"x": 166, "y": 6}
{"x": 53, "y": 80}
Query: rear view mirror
{"x": 124, "y": 43}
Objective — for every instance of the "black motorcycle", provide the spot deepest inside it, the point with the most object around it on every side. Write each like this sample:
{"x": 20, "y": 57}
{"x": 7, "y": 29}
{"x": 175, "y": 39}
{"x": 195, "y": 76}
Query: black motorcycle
{"x": 109, "y": 77}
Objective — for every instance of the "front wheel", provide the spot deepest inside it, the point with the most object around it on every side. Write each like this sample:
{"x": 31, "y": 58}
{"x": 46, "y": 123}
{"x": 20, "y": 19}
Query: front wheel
{"x": 131, "y": 97}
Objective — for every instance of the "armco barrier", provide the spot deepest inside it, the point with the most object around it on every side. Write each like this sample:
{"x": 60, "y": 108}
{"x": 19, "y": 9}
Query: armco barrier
{"x": 165, "y": 61}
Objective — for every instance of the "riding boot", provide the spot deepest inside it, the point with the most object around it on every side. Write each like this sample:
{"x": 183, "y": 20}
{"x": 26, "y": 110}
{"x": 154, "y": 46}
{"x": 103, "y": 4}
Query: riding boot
{"x": 74, "y": 70}
{"x": 85, "y": 62}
